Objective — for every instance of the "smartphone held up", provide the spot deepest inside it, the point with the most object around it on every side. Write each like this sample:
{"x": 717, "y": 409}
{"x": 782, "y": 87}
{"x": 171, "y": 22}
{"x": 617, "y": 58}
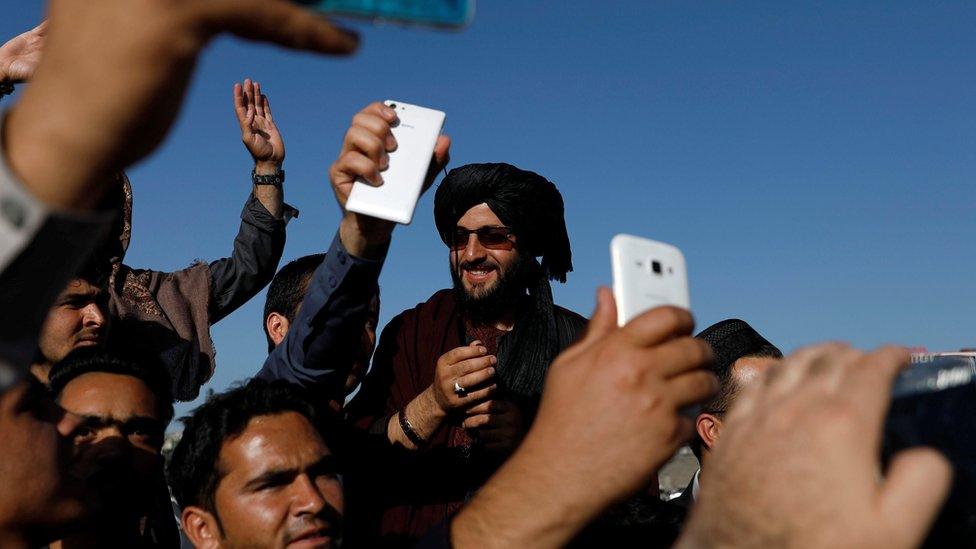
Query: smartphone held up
{"x": 646, "y": 274}
{"x": 416, "y": 131}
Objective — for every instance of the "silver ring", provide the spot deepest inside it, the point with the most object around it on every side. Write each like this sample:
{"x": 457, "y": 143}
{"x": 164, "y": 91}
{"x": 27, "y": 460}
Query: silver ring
{"x": 458, "y": 390}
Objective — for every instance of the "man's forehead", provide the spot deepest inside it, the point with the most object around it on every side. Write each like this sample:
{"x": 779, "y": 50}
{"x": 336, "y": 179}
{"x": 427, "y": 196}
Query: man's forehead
{"x": 479, "y": 216}
{"x": 108, "y": 395}
{"x": 748, "y": 368}
{"x": 81, "y": 286}
{"x": 281, "y": 441}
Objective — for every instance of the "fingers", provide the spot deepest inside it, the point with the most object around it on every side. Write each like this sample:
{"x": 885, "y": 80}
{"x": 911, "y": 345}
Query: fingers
{"x": 692, "y": 388}
{"x": 472, "y": 365}
{"x": 476, "y": 378}
{"x": 258, "y": 100}
{"x": 916, "y": 485}
{"x": 479, "y": 395}
{"x": 376, "y": 125}
{"x": 239, "y": 106}
{"x": 678, "y": 356}
{"x": 659, "y": 325}
{"x": 491, "y": 407}
{"x": 354, "y": 164}
{"x": 442, "y": 155}
{"x": 463, "y": 353}
{"x": 267, "y": 108}
{"x": 276, "y": 21}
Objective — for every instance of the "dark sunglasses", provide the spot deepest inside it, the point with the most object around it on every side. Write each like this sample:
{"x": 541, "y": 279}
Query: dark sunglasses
{"x": 493, "y": 238}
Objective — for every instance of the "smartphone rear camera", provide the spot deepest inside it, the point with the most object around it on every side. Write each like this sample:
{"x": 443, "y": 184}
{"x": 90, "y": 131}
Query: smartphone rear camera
{"x": 656, "y": 267}
{"x": 392, "y": 105}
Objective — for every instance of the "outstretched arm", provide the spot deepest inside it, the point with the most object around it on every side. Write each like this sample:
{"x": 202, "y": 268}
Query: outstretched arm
{"x": 21, "y": 54}
{"x": 261, "y": 238}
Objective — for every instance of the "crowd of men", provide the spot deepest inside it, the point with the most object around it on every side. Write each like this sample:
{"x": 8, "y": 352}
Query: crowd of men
{"x": 488, "y": 416}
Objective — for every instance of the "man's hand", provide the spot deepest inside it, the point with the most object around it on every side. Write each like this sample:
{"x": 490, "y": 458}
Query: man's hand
{"x": 21, "y": 54}
{"x": 258, "y": 130}
{"x": 469, "y": 367}
{"x": 497, "y": 424}
{"x": 113, "y": 77}
{"x": 365, "y": 154}
{"x": 608, "y": 419}
{"x": 799, "y": 461}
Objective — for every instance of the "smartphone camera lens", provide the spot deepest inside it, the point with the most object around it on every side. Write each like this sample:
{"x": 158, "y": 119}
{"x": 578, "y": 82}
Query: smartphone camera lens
{"x": 656, "y": 267}
{"x": 392, "y": 105}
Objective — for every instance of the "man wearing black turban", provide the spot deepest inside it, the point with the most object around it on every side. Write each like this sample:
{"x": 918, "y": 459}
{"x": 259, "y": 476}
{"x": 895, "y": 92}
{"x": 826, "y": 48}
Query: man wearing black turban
{"x": 741, "y": 355}
{"x": 455, "y": 381}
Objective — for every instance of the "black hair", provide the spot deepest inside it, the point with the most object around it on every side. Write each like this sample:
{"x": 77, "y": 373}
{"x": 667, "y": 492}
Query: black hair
{"x": 193, "y": 471}
{"x": 86, "y": 361}
{"x": 287, "y": 290}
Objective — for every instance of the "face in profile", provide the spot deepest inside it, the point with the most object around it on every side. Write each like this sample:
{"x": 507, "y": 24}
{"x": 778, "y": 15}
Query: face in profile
{"x": 117, "y": 444}
{"x": 278, "y": 488}
{"x": 482, "y": 264}
{"x": 79, "y": 318}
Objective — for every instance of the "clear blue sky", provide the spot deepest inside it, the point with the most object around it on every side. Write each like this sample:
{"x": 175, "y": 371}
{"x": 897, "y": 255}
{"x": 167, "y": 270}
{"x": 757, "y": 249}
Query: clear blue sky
{"x": 815, "y": 161}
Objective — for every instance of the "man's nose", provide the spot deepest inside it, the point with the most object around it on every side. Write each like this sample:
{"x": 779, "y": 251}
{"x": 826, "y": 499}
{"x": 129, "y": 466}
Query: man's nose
{"x": 94, "y": 315}
{"x": 474, "y": 249}
{"x": 307, "y": 498}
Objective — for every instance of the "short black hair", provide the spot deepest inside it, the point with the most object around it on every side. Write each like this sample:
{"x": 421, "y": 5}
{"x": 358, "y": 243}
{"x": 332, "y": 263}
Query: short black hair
{"x": 730, "y": 341}
{"x": 86, "y": 361}
{"x": 193, "y": 468}
{"x": 287, "y": 290}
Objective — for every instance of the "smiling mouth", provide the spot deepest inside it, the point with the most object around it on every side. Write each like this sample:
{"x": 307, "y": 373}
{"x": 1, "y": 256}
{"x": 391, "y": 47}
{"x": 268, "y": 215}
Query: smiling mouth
{"x": 479, "y": 273}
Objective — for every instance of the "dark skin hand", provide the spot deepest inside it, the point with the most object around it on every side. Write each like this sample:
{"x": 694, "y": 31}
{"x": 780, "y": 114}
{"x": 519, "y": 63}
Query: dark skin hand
{"x": 113, "y": 77}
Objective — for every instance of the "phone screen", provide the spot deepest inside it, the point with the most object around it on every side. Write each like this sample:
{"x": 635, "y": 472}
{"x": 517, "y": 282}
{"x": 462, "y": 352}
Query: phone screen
{"x": 437, "y": 13}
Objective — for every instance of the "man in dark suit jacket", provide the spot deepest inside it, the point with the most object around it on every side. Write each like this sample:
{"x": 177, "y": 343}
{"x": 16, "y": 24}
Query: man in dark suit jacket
{"x": 741, "y": 356}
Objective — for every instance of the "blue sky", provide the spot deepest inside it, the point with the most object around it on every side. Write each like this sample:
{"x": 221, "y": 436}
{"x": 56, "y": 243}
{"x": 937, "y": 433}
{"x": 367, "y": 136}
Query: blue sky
{"x": 814, "y": 161}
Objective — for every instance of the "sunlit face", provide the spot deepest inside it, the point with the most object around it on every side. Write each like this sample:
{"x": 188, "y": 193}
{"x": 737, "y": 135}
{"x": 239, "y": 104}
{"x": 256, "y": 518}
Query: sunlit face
{"x": 118, "y": 442}
{"x": 79, "y": 318}
{"x": 481, "y": 268}
{"x": 279, "y": 486}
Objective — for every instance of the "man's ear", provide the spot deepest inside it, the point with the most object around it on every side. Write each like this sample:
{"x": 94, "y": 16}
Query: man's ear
{"x": 708, "y": 427}
{"x": 201, "y": 527}
{"x": 277, "y": 326}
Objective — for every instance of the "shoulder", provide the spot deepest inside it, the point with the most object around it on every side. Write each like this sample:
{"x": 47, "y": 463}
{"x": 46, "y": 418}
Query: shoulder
{"x": 568, "y": 317}
{"x": 439, "y": 305}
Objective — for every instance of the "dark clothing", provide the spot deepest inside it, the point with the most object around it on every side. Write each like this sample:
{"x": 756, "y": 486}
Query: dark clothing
{"x": 321, "y": 344}
{"x": 415, "y": 490}
{"x": 168, "y": 315}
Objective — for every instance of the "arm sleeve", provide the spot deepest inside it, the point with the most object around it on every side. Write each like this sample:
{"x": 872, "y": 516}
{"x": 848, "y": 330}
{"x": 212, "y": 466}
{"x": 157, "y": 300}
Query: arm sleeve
{"x": 319, "y": 349}
{"x": 40, "y": 250}
{"x": 257, "y": 250}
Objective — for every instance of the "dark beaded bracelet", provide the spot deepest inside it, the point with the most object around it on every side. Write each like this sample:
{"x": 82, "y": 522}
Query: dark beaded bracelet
{"x": 408, "y": 430}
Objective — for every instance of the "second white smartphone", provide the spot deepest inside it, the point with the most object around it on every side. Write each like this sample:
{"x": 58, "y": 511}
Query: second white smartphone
{"x": 646, "y": 274}
{"x": 416, "y": 132}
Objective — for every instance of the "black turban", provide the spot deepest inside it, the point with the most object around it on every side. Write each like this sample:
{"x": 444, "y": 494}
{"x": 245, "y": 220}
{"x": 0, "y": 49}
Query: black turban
{"x": 733, "y": 339}
{"x": 524, "y": 201}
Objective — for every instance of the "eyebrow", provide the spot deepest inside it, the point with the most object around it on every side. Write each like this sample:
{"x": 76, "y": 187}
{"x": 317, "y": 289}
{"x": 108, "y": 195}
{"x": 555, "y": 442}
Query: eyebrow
{"x": 95, "y": 421}
{"x": 324, "y": 466}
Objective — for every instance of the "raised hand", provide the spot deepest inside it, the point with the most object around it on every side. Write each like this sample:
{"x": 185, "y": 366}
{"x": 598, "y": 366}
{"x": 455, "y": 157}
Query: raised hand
{"x": 365, "y": 154}
{"x": 258, "y": 130}
{"x": 609, "y": 418}
{"x": 812, "y": 425}
{"x": 21, "y": 54}
{"x": 113, "y": 77}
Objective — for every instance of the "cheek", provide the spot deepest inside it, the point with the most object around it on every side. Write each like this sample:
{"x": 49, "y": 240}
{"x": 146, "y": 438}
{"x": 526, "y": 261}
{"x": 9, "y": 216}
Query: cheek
{"x": 331, "y": 490}
{"x": 254, "y": 520}
{"x": 59, "y": 327}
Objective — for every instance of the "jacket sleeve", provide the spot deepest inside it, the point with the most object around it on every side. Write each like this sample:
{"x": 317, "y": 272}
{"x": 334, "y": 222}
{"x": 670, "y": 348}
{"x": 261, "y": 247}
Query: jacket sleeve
{"x": 257, "y": 250}
{"x": 322, "y": 343}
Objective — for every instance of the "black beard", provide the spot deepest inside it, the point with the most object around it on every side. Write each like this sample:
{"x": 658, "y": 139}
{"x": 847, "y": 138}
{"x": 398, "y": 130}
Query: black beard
{"x": 500, "y": 299}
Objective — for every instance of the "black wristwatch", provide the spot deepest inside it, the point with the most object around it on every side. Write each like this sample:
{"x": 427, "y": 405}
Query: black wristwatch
{"x": 275, "y": 179}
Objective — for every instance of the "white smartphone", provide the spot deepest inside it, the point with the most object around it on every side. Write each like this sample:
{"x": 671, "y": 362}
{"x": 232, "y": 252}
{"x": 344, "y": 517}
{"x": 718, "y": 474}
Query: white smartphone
{"x": 646, "y": 274}
{"x": 416, "y": 132}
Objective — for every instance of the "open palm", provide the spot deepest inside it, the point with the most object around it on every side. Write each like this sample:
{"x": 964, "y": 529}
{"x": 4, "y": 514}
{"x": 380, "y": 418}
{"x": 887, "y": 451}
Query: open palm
{"x": 258, "y": 130}
{"x": 21, "y": 54}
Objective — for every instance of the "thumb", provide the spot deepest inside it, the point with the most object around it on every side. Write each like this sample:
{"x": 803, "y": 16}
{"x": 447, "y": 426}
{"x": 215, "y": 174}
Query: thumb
{"x": 604, "y": 319}
{"x": 916, "y": 486}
